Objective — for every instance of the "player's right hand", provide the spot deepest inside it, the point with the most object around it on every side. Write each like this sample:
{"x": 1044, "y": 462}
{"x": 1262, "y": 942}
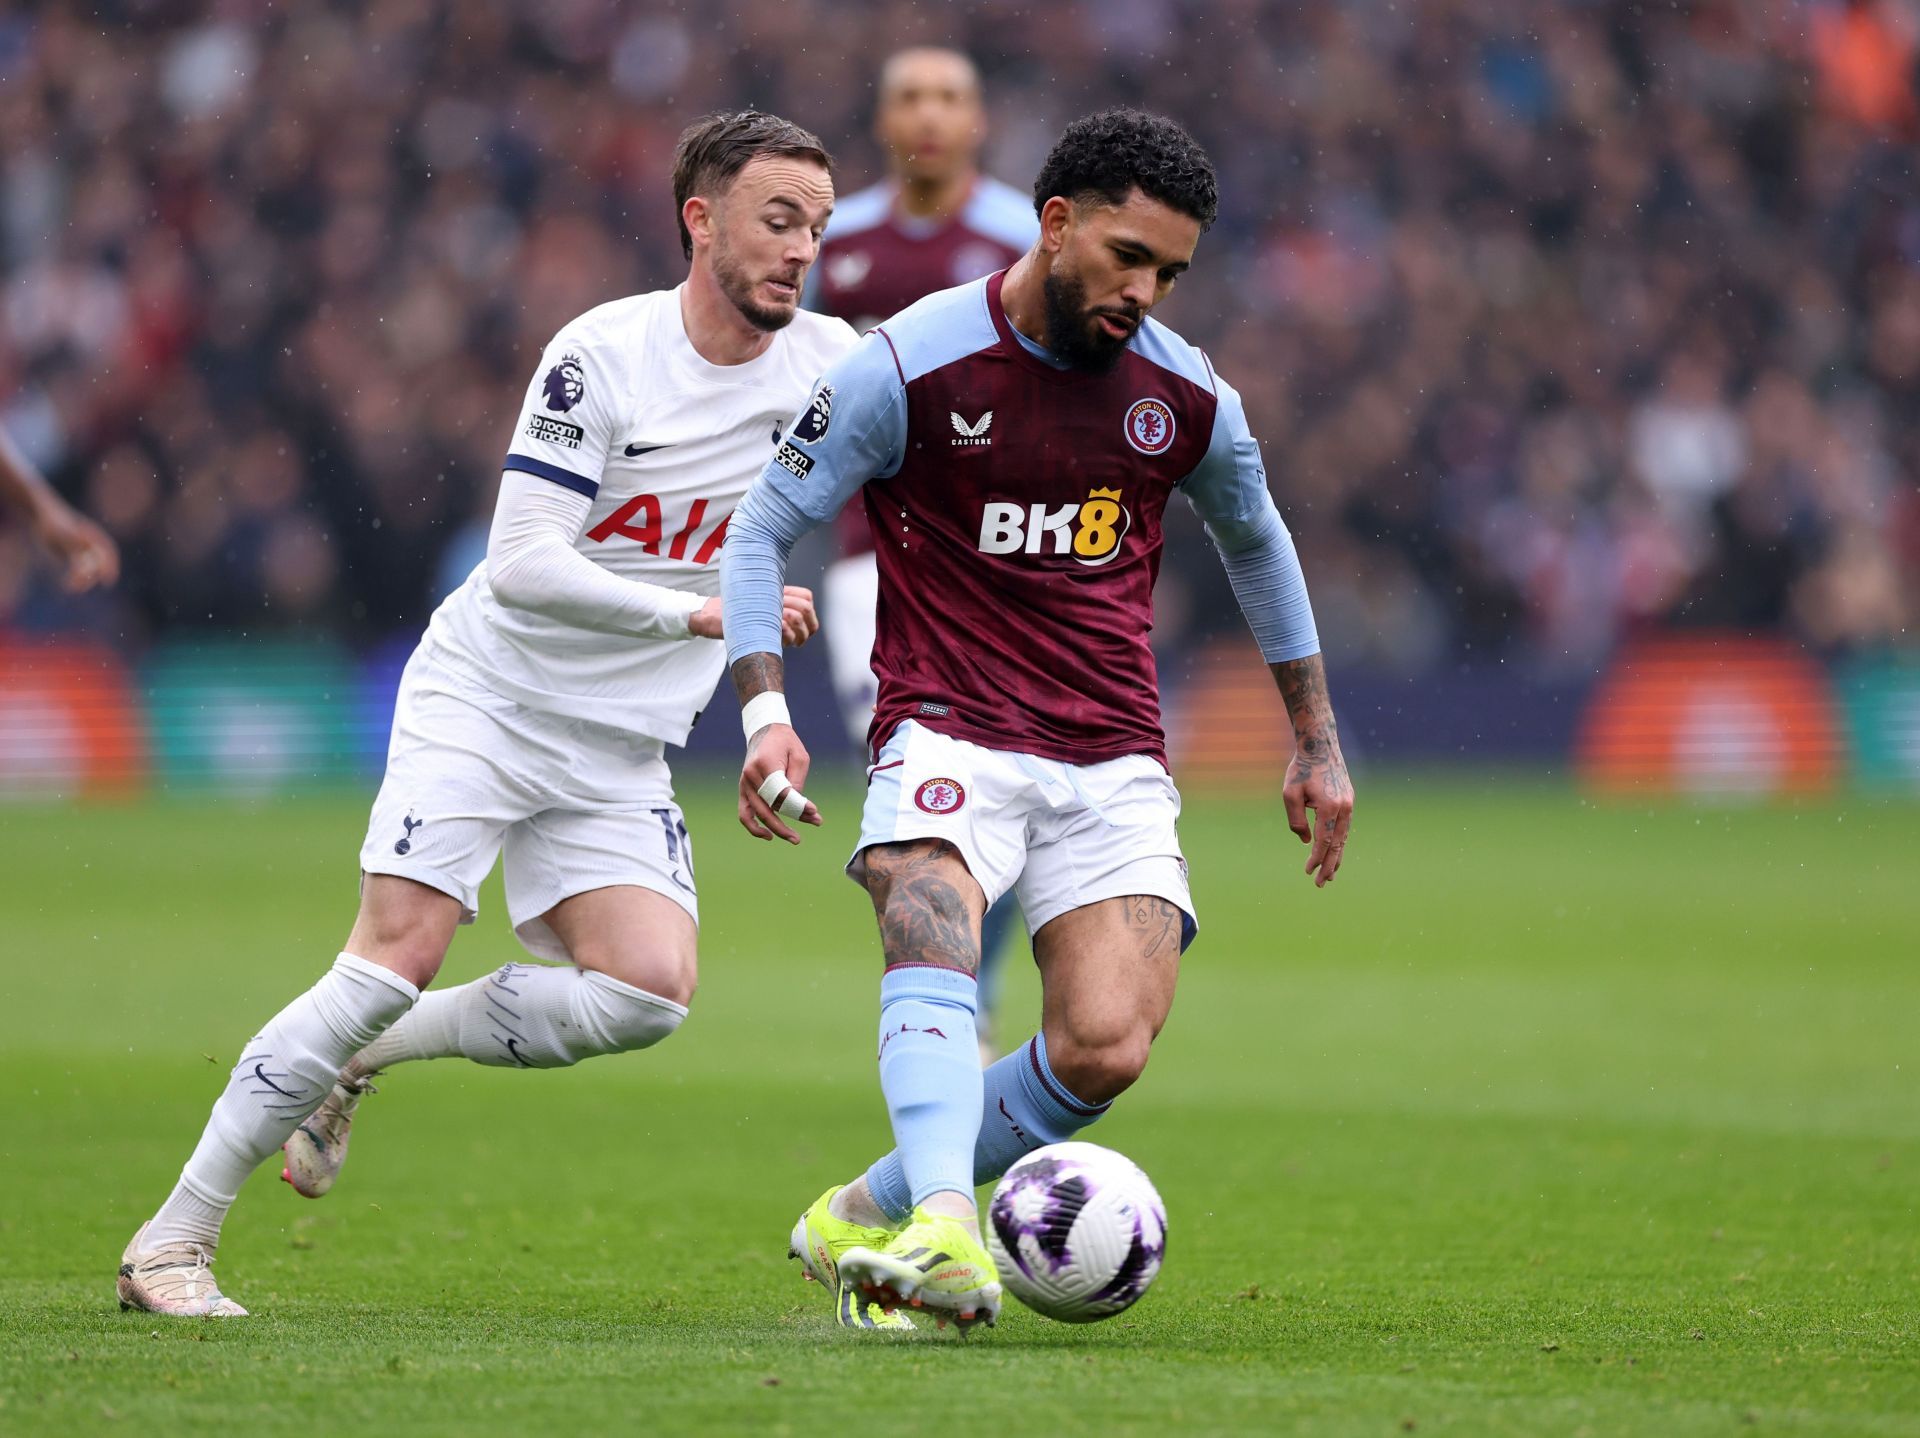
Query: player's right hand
{"x": 775, "y": 747}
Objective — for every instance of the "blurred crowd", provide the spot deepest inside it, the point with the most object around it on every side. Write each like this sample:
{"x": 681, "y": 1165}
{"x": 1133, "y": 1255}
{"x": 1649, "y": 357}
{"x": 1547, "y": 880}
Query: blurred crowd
{"x": 1558, "y": 318}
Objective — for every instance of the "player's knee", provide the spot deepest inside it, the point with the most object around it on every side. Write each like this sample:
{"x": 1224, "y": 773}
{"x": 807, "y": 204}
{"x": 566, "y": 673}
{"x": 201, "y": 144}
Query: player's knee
{"x": 672, "y": 975}
{"x": 411, "y": 946}
{"x": 624, "y": 1017}
{"x": 1098, "y": 1063}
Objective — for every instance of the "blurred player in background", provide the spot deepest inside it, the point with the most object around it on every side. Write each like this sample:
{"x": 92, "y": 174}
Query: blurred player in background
{"x": 81, "y": 548}
{"x": 535, "y": 714}
{"x": 934, "y": 222}
{"x": 1016, "y": 441}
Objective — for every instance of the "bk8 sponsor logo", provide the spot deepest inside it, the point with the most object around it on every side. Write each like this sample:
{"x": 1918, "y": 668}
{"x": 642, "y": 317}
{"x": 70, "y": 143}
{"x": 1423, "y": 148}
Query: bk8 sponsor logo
{"x": 1090, "y": 530}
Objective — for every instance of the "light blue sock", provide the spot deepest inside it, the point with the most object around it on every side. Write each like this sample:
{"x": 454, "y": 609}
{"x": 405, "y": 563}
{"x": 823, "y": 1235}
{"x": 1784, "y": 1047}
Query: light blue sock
{"x": 930, "y": 1074}
{"x": 1026, "y": 1108}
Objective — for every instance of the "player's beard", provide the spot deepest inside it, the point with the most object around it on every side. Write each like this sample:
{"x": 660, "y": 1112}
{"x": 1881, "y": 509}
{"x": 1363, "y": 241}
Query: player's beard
{"x": 1073, "y": 331}
{"x": 738, "y": 286}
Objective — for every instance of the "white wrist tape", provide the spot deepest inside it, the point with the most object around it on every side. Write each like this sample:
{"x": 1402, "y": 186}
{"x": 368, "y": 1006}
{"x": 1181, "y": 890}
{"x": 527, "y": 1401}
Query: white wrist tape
{"x": 791, "y": 807}
{"x": 764, "y": 709}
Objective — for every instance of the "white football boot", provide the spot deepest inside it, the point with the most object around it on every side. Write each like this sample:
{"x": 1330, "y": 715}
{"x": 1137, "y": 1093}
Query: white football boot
{"x": 317, "y": 1150}
{"x": 175, "y": 1279}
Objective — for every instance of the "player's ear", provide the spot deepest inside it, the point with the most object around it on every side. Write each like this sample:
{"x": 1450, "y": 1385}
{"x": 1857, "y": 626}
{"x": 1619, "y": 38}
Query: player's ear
{"x": 1056, "y": 219}
{"x": 697, "y": 216}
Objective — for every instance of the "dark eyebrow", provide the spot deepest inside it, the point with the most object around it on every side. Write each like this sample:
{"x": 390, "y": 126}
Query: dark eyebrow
{"x": 792, "y": 204}
{"x": 1123, "y": 242}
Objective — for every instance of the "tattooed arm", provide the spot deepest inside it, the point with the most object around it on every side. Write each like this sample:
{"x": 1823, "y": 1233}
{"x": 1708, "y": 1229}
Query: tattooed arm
{"x": 761, "y": 534}
{"x": 1228, "y": 489}
{"x": 1317, "y": 776}
{"x": 853, "y": 429}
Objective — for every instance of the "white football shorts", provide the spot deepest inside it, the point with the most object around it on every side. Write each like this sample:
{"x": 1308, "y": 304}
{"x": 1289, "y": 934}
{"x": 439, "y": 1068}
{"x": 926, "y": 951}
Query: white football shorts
{"x": 575, "y": 805}
{"x": 1061, "y": 835}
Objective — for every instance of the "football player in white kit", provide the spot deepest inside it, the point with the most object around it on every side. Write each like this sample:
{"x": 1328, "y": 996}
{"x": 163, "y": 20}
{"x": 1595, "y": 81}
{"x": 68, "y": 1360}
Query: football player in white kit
{"x": 534, "y": 716}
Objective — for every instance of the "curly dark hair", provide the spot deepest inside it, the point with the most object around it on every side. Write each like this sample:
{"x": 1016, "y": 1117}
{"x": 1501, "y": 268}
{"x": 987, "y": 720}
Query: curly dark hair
{"x": 715, "y": 148}
{"x": 1106, "y": 156}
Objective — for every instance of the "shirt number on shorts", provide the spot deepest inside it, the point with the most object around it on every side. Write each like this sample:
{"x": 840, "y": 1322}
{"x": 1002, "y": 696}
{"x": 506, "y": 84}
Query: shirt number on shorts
{"x": 677, "y": 844}
{"x": 639, "y": 520}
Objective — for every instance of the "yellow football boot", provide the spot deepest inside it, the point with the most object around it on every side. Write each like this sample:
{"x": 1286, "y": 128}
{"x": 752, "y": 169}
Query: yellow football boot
{"x": 818, "y": 1240}
{"x": 936, "y": 1264}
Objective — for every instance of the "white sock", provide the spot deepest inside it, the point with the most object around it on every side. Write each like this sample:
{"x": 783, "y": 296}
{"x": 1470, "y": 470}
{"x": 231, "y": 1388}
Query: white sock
{"x": 428, "y": 1030}
{"x": 283, "y": 1074}
{"x": 526, "y": 1016}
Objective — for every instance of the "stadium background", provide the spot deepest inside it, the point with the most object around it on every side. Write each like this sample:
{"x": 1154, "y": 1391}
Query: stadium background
{"x": 1566, "y": 328}
{"x": 1584, "y": 339}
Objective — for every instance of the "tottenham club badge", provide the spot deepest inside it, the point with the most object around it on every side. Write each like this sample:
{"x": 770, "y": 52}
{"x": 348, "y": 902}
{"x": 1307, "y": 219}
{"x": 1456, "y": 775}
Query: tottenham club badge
{"x": 1149, "y": 426}
{"x": 940, "y": 796}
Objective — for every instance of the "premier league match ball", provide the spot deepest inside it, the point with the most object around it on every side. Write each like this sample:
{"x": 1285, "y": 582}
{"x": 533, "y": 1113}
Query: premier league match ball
{"x": 1077, "y": 1231}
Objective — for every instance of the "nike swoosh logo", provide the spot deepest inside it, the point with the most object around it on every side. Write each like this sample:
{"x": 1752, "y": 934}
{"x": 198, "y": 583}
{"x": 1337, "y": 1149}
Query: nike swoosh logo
{"x": 634, "y": 451}
{"x": 260, "y": 1072}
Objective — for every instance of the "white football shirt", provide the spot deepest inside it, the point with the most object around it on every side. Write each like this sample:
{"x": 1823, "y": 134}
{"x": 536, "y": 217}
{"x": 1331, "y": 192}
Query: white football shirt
{"x": 624, "y": 410}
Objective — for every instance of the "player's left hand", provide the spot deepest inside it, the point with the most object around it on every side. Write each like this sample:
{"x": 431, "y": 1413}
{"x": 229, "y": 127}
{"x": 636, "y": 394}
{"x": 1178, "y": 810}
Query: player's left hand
{"x": 799, "y": 622}
{"x": 83, "y": 550}
{"x": 1317, "y": 780}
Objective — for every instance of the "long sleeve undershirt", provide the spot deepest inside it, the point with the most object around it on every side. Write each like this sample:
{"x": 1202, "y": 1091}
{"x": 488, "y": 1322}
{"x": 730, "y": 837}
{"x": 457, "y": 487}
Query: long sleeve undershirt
{"x": 532, "y": 564}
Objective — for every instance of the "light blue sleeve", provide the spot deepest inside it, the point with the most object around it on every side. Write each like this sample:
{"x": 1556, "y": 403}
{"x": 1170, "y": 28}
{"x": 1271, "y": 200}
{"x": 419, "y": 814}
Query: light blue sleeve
{"x": 753, "y": 568}
{"x": 853, "y": 429}
{"x": 1228, "y": 490}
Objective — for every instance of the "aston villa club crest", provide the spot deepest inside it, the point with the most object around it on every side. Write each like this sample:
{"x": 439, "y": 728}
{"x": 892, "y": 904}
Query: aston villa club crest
{"x": 1149, "y": 426}
{"x": 940, "y": 796}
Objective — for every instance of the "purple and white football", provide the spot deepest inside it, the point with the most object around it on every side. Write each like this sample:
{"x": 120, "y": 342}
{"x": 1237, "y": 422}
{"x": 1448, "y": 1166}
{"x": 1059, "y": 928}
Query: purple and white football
{"x": 1077, "y": 1231}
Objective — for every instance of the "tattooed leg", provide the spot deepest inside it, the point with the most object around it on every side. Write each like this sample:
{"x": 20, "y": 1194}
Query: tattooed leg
{"x": 1107, "y": 972}
{"x": 928, "y": 904}
{"x": 929, "y": 909}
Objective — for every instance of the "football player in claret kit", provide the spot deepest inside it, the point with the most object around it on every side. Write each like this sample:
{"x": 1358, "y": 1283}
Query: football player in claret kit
{"x": 535, "y": 713}
{"x": 1015, "y": 442}
{"x": 934, "y": 222}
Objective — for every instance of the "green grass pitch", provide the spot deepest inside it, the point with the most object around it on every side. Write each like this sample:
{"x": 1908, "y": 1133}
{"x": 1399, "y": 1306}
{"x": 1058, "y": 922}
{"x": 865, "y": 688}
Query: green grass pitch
{"x": 1548, "y": 1118}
